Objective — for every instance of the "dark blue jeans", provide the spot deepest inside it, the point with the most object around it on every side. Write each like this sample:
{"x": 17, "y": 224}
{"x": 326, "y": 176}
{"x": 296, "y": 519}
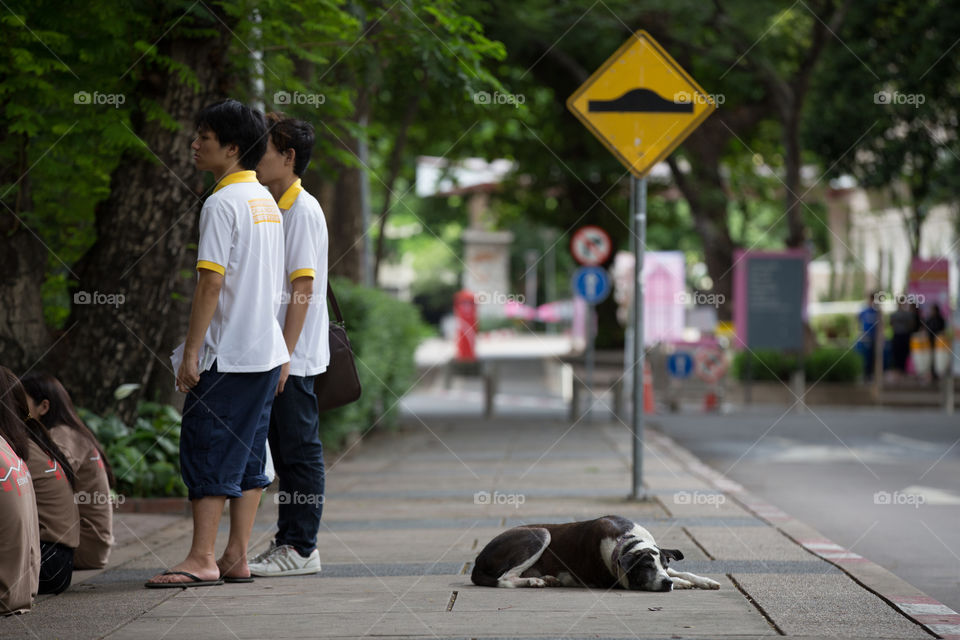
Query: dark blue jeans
{"x": 298, "y": 459}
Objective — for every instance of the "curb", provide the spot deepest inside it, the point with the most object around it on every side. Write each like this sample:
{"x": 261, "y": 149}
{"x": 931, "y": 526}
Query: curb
{"x": 935, "y": 617}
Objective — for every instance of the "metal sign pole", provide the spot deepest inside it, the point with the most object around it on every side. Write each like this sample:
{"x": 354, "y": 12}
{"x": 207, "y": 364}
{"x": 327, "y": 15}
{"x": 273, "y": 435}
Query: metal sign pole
{"x": 638, "y": 220}
{"x": 591, "y": 338}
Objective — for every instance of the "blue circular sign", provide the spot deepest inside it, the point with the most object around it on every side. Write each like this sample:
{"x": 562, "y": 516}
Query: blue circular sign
{"x": 592, "y": 284}
{"x": 680, "y": 364}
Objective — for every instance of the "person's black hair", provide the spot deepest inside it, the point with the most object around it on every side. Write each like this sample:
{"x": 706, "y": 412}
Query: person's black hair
{"x": 14, "y": 400}
{"x": 13, "y": 411}
{"x": 43, "y": 386}
{"x": 235, "y": 123}
{"x": 289, "y": 133}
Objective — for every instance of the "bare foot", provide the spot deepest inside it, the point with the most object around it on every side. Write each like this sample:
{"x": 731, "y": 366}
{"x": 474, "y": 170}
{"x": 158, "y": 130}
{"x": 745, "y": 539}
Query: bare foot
{"x": 202, "y": 571}
{"x": 233, "y": 567}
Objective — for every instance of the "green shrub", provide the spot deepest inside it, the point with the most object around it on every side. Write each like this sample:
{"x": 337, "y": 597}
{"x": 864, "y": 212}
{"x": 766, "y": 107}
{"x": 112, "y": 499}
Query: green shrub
{"x": 833, "y": 365}
{"x": 826, "y": 364}
{"x": 766, "y": 364}
{"x": 146, "y": 457}
{"x": 384, "y": 333}
{"x": 835, "y": 329}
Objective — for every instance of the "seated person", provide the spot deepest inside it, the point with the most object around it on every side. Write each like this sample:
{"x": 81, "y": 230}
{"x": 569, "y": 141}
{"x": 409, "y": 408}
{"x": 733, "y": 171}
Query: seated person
{"x": 19, "y": 530}
{"x": 50, "y": 404}
{"x": 53, "y": 485}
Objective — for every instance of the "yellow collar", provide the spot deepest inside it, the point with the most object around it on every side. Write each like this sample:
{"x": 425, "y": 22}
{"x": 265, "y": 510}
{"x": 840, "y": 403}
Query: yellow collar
{"x": 235, "y": 177}
{"x": 290, "y": 195}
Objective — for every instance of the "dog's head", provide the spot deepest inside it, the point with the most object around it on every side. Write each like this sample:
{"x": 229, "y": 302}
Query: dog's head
{"x": 645, "y": 566}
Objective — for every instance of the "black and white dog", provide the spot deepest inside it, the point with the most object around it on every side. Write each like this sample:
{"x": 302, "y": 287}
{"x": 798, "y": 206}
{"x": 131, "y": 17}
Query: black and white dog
{"x": 604, "y": 553}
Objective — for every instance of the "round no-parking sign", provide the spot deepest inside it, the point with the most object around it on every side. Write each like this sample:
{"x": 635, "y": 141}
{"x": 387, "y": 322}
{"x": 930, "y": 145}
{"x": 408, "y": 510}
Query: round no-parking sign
{"x": 711, "y": 364}
{"x": 590, "y": 245}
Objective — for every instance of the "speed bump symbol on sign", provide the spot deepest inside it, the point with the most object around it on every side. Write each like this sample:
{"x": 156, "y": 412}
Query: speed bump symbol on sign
{"x": 641, "y": 104}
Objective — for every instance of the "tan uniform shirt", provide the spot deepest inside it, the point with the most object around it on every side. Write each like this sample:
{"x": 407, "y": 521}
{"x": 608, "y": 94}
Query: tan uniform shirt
{"x": 93, "y": 497}
{"x": 19, "y": 534}
{"x": 56, "y": 508}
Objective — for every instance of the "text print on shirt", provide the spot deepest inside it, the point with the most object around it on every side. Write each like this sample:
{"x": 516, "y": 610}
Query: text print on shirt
{"x": 264, "y": 210}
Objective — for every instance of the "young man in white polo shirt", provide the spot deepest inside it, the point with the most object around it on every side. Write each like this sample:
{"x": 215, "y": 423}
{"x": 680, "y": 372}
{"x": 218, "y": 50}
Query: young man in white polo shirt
{"x": 234, "y": 349}
{"x": 294, "y": 422}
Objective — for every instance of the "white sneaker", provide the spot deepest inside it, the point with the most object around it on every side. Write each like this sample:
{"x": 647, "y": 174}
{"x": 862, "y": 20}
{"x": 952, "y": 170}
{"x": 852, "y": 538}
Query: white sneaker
{"x": 263, "y": 554}
{"x": 285, "y": 561}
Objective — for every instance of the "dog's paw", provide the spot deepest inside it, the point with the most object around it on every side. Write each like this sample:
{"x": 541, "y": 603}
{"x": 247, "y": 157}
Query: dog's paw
{"x": 537, "y": 583}
{"x": 680, "y": 583}
{"x": 550, "y": 581}
{"x": 707, "y": 583}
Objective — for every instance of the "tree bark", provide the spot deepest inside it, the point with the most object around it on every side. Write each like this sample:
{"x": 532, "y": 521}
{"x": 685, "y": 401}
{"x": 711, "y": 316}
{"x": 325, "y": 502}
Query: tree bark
{"x": 23, "y": 257}
{"x": 143, "y": 230}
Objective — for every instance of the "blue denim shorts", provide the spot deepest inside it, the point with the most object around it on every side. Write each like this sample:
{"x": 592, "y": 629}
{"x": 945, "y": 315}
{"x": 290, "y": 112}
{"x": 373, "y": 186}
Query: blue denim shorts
{"x": 226, "y": 418}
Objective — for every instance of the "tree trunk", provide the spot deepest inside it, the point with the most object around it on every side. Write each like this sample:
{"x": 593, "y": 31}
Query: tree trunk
{"x": 23, "y": 257}
{"x": 342, "y": 206}
{"x": 796, "y": 229}
{"x": 143, "y": 230}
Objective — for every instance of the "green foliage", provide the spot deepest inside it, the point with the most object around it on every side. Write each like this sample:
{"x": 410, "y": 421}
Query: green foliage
{"x": 833, "y": 364}
{"x": 384, "y": 334}
{"x": 826, "y": 364}
{"x": 146, "y": 456}
{"x": 765, "y": 364}
{"x": 838, "y": 329}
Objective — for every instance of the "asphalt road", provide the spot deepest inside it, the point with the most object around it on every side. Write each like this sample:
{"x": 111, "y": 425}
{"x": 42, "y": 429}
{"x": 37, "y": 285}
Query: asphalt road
{"x": 884, "y": 483}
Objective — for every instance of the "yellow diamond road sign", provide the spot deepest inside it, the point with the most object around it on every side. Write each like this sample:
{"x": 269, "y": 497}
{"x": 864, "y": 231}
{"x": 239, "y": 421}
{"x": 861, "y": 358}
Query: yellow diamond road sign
{"x": 641, "y": 104}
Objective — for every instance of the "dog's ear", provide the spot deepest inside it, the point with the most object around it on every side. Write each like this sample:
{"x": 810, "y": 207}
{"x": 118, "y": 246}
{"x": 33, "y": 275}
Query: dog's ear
{"x": 627, "y": 560}
{"x": 671, "y": 554}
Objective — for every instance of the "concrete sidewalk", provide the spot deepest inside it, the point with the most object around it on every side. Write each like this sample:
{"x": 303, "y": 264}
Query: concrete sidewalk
{"x": 407, "y": 512}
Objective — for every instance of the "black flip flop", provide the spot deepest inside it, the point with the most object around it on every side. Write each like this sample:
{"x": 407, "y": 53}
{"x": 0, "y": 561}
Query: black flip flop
{"x": 194, "y": 582}
{"x": 231, "y": 580}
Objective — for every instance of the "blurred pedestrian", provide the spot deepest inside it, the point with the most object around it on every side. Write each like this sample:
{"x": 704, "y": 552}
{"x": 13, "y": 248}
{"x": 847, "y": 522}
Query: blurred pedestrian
{"x": 904, "y": 324}
{"x": 934, "y": 326}
{"x": 869, "y": 320}
{"x": 50, "y": 404}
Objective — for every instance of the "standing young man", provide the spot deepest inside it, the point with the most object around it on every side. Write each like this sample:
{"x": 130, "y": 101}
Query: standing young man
{"x": 294, "y": 423}
{"x": 234, "y": 349}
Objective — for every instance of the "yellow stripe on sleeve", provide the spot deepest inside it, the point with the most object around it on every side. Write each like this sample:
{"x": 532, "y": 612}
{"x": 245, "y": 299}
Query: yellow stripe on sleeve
{"x": 210, "y": 266}
{"x": 301, "y": 273}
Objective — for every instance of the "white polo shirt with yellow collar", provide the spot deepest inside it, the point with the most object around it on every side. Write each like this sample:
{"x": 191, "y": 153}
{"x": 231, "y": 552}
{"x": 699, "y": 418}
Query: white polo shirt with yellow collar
{"x": 241, "y": 238}
{"x": 307, "y": 248}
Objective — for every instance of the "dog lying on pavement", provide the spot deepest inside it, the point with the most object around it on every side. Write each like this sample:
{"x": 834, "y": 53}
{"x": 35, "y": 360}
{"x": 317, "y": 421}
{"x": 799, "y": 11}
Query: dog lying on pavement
{"x": 605, "y": 553}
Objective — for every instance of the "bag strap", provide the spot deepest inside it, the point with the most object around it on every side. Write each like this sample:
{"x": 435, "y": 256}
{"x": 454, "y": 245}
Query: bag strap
{"x": 332, "y": 299}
